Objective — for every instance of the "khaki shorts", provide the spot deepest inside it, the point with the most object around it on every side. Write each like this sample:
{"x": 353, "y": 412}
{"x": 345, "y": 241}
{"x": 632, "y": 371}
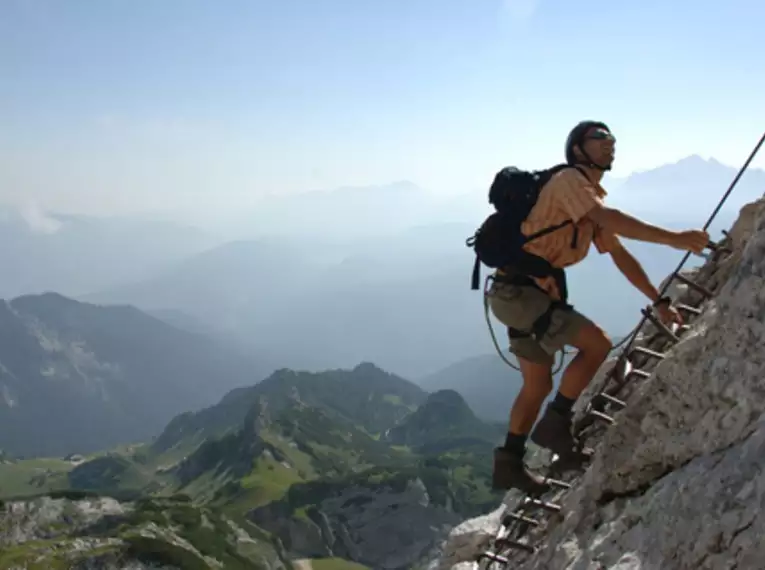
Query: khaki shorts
{"x": 518, "y": 306}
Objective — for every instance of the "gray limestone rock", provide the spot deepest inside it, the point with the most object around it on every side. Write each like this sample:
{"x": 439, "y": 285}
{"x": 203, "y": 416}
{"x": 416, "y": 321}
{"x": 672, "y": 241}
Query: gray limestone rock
{"x": 383, "y": 527}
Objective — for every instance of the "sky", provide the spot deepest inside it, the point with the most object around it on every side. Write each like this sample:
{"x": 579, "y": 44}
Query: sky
{"x": 200, "y": 107}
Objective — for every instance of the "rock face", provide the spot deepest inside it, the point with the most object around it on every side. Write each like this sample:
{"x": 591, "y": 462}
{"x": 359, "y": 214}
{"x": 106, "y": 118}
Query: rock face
{"x": 383, "y": 528}
{"x": 678, "y": 480}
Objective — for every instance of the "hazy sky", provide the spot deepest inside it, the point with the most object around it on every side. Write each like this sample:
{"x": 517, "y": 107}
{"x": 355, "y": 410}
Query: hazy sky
{"x": 191, "y": 105}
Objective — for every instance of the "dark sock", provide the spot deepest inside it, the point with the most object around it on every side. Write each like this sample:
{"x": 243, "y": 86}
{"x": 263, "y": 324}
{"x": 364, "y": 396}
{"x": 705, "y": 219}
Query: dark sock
{"x": 562, "y": 404}
{"x": 516, "y": 443}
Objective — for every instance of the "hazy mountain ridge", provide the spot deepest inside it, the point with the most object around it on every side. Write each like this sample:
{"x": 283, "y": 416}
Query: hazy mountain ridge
{"x": 78, "y": 377}
{"x": 691, "y": 186}
{"x": 403, "y": 300}
{"x": 73, "y": 255}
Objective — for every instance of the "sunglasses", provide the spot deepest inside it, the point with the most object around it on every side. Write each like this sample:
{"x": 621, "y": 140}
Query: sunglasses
{"x": 599, "y": 134}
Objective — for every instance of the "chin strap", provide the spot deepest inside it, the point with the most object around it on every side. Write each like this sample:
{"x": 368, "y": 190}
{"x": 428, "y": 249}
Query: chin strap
{"x": 590, "y": 163}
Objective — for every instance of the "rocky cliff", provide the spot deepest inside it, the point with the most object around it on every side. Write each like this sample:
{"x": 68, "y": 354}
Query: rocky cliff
{"x": 678, "y": 480}
{"x": 389, "y": 525}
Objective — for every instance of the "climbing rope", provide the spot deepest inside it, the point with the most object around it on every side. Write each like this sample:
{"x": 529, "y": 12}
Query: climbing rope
{"x": 630, "y": 338}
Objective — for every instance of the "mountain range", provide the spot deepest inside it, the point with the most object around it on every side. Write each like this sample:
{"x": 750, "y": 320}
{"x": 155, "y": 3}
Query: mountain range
{"x": 231, "y": 314}
{"x": 79, "y": 378}
{"x": 683, "y": 192}
{"x": 398, "y": 293}
{"x": 320, "y": 462}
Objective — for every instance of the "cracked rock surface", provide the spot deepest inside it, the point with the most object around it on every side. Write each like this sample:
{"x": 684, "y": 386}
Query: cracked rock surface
{"x": 678, "y": 481}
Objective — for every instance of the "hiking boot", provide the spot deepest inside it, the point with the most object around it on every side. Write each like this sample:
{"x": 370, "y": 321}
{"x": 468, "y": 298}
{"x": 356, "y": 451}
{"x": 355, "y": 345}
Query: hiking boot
{"x": 554, "y": 432}
{"x": 511, "y": 473}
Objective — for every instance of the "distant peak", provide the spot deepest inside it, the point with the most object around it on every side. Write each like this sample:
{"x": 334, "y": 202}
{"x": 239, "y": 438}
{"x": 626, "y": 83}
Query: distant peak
{"x": 446, "y": 396}
{"x": 694, "y": 164}
{"x": 693, "y": 159}
{"x": 697, "y": 161}
{"x": 367, "y": 367}
{"x": 49, "y": 297}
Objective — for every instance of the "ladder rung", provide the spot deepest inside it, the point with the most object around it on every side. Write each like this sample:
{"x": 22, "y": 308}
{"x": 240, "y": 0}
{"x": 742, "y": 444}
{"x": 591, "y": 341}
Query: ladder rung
{"x": 602, "y": 416}
{"x": 493, "y": 557}
{"x": 640, "y": 373}
{"x": 611, "y": 400}
{"x": 693, "y": 285}
{"x": 518, "y": 518}
{"x": 648, "y": 352}
{"x": 718, "y": 246}
{"x": 558, "y": 483}
{"x": 552, "y": 507}
{"x": 510, "y": 543}
{"x": 664, "y": 329}
{"x": 688, "y": 309}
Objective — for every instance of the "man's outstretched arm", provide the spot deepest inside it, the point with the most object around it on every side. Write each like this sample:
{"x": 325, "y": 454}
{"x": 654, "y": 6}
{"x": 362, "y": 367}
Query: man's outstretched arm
{"x": 625, "y": 225}
{"x": 633, "y": 271}
{"x": 579, "y": 199}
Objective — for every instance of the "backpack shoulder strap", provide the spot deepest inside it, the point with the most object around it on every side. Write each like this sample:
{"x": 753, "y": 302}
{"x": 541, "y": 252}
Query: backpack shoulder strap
{"x": 546, "y": 174}
{"x": 544, "y": 179}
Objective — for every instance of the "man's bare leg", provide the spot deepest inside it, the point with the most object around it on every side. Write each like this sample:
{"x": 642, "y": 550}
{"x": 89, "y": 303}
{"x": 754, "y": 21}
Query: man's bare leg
{"x": 593, "y": 346}
{"x": 554, "y": 429}
{"x": 537, "y": 384}
{"x": 509, "y": 469}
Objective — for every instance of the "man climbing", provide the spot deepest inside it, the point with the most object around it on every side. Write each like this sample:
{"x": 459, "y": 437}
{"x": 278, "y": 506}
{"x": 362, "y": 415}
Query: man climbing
{"x": 520, "y": 302}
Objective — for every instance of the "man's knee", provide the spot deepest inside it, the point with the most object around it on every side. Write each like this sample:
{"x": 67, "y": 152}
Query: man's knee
{"x": 569, "y": 327}
{"x": 592, "y": 341}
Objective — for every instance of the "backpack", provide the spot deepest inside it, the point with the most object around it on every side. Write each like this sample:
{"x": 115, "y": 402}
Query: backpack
{"x": 498, "y": 242}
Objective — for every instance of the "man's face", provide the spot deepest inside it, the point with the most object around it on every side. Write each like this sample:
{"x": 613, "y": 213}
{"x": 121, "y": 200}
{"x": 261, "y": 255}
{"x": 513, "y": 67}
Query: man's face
{"x": 600, "y": 145}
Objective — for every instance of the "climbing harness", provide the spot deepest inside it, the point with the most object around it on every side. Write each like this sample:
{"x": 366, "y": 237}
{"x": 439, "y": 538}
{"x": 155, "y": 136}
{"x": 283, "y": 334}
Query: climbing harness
{"x": 631, "y": 365}
{"x": 563, "y": 352}
{"x": 486, "y": 309}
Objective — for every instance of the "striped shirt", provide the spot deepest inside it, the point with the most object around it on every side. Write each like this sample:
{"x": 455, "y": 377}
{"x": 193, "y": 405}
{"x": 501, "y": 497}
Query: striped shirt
{"x": 568, "y": 195}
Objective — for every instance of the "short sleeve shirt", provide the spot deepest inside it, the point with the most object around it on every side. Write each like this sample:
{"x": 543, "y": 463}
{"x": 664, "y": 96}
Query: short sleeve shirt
{"x": 568, "y": 195}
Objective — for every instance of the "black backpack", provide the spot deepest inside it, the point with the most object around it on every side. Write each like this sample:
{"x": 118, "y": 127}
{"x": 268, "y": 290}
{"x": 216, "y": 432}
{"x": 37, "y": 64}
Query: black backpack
{"x": 499, "y": 242}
